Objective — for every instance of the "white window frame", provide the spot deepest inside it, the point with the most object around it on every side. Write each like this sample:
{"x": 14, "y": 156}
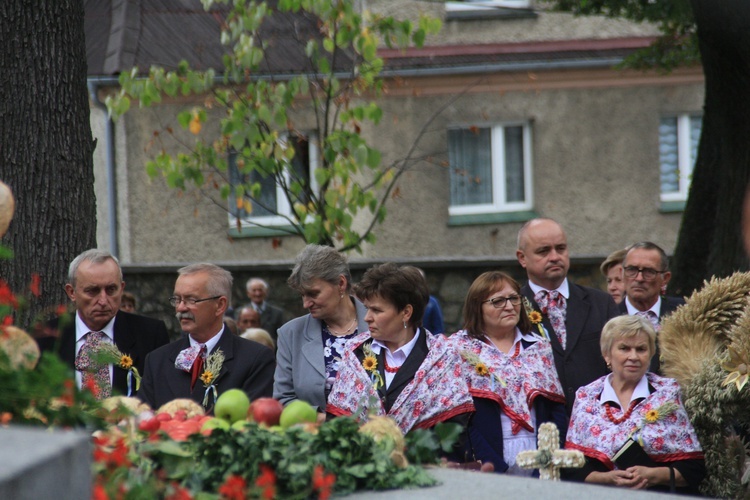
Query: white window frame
{"x": 499, "y": 205}
{"x": 684, "y": 165}
{"x": 282, "y": 204}
{"x": 478, "y": 5}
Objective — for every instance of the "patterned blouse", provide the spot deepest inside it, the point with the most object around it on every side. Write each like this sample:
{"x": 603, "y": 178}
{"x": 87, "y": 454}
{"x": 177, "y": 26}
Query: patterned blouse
{"x": 333, "y": 351}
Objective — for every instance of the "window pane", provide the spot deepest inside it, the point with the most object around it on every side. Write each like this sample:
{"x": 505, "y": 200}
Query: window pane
{"x": 696, "y": 123}
{"x": 668, "y": 156}
{"x": 301, "y": 167}
{"x": 266, "y": 202}
{"x": 470, "y": 156}
{"x": 514, "y": 182}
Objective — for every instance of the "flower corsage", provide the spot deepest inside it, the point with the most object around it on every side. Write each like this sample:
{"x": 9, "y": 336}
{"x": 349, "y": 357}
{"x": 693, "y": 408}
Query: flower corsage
{"x": 652, "y": 416}
{"x": 370, "y": 364}
{"x": 480, "y": 368}
{"x": 535, "y": 317}
{"x": 738, "y": 370}
{"x": 211, "y": 370}
{"x": 108, "y": 353}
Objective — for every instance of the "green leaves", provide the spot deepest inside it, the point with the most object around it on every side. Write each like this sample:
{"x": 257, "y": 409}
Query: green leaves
{"x": 254, "y": 115}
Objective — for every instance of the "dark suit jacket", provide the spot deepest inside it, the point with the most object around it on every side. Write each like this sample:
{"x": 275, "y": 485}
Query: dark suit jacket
{"x": 135, "y": 336}
{"x": 588, "y": 309}
{"x": 668, "y": 306}
{"x": 247, "y": 365}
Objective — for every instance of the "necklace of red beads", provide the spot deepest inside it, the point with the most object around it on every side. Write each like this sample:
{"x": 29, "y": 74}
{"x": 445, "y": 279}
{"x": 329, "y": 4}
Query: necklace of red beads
{"x": 389, "y": 369}
{"x": 624, "y": 417}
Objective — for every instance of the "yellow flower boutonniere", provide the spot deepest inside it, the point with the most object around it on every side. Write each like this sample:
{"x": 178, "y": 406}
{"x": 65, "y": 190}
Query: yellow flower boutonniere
{"x": 535, "y": 317}
{"x": 109, "y": 354}
{"x": 211, "y": 370}
{"x": 654, "y": 415}
{"x": 480, "y": 368}
{"x": 370, "y": 364}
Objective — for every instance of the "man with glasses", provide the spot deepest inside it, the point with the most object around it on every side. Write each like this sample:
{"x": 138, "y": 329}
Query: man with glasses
{"x": 572, "y": 315}
{"x": 190, "y": 367}
{"x": 646, "y": 274}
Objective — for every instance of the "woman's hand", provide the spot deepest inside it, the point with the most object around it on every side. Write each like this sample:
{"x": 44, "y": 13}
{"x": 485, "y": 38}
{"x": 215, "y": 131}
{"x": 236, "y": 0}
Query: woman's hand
{"x": 656, "y": 475}
{"x": 622, "y": 478}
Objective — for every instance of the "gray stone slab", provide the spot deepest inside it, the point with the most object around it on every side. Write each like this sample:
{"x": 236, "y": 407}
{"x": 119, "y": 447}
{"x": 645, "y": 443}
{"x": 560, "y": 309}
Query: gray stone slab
{"x": 457, "y": 484}
{"x": 37, "y": 463}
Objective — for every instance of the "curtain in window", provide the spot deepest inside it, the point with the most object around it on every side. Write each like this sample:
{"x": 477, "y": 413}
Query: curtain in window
{"x": 514, "y": 181}
{"x": 669, "y": 156}
{"x": 470, "y": 156}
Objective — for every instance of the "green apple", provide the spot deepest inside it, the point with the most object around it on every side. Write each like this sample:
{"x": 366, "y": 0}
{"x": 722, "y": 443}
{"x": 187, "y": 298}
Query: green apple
{"x": 232, "y": 405}
{"x": 214, "y": 423}
{"x": 297, "y": 412}
{"x": 240, "y": 425}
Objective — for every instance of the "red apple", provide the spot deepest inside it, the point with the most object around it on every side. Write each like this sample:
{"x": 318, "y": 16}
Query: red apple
{"x": 265, "y": 411}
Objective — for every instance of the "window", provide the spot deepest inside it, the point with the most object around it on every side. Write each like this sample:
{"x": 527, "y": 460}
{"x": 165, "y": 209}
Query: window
{"x": 490, "y": 169}
{"x": 272, "y": 204}
{"x": 486, "y": 4}
{"x": 678, "y": 148}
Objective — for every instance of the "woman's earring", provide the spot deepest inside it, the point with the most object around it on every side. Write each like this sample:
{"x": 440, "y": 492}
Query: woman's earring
{"x": 609, "y": 366}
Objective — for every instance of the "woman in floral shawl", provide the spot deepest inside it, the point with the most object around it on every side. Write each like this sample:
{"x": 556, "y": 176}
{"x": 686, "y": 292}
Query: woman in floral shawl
{"x": 397, "y": 368}
{"x": 642, "y": 410}
{"x": 510, "y": 371}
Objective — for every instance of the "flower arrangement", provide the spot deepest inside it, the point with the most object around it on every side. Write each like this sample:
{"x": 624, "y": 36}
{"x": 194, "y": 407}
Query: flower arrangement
{"x": 370, "y": 364}
{"x": 535, "y": 317}
{"x": 109, "y": 354}
{"x": 211, "y": 371}
{"x": 480, "y": 368}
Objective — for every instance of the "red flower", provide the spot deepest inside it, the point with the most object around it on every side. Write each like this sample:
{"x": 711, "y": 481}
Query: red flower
{"x": 267, "y": 481}
{"x": 233, "y": 488}
{"x": 90, "y": 384}
{"x": 658, "y": 443}
{"x": 34, "y": 286}
{"x": 323, "y": 483}
{"x": 99, "y": 493}
{"x": 6, "y": 295}
{"x": 8, "y": 320}
{"x": 178, "y": 493}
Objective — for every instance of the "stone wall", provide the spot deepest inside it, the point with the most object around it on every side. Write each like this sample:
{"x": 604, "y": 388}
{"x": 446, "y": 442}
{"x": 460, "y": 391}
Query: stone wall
{"x": 448, "y": 281}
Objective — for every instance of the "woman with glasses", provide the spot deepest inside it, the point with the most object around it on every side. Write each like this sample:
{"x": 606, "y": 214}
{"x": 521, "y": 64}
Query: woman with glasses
{"x": 511, "y": 373}
{"x": 310, "y": 347}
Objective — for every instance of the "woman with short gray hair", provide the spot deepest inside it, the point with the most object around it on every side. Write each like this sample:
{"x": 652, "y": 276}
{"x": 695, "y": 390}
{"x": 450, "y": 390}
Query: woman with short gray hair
{"x": 310, "y": 347}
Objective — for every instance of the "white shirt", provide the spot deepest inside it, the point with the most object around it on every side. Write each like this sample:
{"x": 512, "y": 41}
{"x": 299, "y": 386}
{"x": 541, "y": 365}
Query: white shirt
{"x": 609, "y": 394}
{"x": 211, "y": 343}
{"x": 563, "y": 289}
{"x": 397, "y": 358}
{"x": 632, "y": 311}
{"x": 81, "y": 331}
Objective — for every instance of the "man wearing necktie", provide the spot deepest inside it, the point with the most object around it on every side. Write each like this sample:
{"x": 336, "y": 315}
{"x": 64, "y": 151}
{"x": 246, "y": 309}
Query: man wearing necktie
{"x": 95, "y": 286}
{"x": 271, "y": 317}
{"x": 646, "y": 275}
{"x": 573, "y": 315}
{"x": 183, "y": 369}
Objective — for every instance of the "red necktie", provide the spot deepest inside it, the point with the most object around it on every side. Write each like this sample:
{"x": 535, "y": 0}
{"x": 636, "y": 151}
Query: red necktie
{"x": 197, "y": 368}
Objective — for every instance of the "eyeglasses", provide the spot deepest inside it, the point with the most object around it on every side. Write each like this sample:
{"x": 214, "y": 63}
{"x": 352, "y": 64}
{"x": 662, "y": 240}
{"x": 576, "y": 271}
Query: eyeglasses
{"x": 499, "y": 302}
{"x": 647, "y": 272}
{"x": 189, "y": 301}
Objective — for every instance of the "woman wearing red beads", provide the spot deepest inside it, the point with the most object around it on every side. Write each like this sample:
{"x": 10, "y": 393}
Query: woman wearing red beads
{"x": 397, "y": 368}
{"x": 630, "y": 424}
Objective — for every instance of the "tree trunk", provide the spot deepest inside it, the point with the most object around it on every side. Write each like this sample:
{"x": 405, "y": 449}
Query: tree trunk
{"x": 46, "y": 145}
{"x": 710, "y": 239}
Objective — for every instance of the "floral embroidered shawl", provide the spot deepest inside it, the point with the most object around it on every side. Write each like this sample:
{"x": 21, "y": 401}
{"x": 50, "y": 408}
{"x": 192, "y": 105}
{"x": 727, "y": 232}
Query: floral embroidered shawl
{"x": 530, "y": 374}
{"x": 437, "y": 392}
{"x": 668, "y": 439}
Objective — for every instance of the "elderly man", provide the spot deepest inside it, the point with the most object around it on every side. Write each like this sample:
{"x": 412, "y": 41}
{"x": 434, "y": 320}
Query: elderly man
{"x": 189, "y": 367}
{"x": 271, "y": 317}
{"x": 572, "y": 315}
{"x": 646, "y": 275}
{"x": 247, "y": 318}
{"x": 95, "y": 286}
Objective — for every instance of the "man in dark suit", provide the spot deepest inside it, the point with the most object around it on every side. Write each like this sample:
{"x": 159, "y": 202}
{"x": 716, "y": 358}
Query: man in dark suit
{"x": 271, "y": 317}
{"x": 646, "y": 275}
{"x": 95, "y": 286}
{"x": 573, "y": 315}
{"x": 183, "y": 369}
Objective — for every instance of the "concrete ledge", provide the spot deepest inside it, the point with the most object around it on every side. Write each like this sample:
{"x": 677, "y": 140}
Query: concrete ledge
{"x": 39, "y": 463}
{"x": 470, "y": 484}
